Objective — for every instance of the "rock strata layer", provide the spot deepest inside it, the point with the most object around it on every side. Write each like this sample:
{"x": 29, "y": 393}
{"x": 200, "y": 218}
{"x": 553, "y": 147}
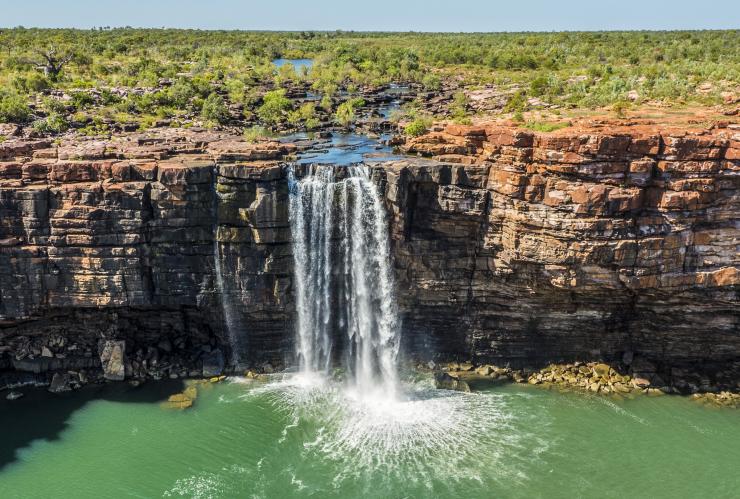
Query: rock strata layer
{"x": 110, "y": 252}
{"x": 509, "y": 247}
{"x": 611, "y": 243}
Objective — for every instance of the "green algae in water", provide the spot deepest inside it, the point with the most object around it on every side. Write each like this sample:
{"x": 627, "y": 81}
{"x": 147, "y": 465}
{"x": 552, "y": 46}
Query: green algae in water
{"x": 303, "y": 439}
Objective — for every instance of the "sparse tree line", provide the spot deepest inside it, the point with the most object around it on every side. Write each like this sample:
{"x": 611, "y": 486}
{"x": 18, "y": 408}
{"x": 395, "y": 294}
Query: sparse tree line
{"x": 92, "y": 80}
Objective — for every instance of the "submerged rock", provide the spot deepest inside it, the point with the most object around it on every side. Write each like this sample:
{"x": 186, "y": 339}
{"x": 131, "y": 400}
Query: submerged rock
{"x": 13, "y": 395}
{"x": 444, "y": 381}
{"x": 178, "y": 401}
{"x": 182, "y": 400}
{"x": 640, "y": 382}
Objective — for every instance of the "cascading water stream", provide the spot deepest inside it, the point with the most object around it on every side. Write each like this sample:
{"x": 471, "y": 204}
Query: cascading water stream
{"x": 228, "y": 307}
{"x": 343, "y": 276}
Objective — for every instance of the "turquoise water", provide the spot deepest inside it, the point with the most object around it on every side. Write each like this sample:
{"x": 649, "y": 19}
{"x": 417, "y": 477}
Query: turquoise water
{"x": 300, "y": 439}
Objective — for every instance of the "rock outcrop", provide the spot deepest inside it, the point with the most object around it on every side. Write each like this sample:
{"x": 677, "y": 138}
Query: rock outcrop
{"x": 120, "y": 239}
{"x": 571, "y": 245}
{"x": 509, "y": 246}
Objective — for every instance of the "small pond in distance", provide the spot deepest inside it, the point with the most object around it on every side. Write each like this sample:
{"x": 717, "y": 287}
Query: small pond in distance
{"x": 298, "y": 64}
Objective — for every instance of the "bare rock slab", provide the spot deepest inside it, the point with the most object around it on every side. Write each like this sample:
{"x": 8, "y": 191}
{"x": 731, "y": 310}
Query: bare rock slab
{"x": 112, "y": 358}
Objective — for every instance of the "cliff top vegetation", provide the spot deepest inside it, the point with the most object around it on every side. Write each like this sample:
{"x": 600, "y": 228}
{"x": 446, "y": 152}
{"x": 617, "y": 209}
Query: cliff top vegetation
{"x": 91, "y": 79}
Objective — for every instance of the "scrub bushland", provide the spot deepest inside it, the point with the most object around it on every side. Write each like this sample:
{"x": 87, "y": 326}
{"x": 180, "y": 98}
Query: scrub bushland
{"x": 92, "y": 79}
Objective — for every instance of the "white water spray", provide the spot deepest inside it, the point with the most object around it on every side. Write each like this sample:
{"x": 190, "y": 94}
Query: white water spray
{"x": 227, "y": 304}
{"x": 343, "y": 276}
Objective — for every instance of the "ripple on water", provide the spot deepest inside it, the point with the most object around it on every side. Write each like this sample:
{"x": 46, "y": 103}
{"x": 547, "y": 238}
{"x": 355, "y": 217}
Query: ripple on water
{"x": 428, "y": 438}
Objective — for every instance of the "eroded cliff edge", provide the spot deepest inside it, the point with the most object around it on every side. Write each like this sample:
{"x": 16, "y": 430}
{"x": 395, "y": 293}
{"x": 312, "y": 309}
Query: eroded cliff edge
{"x": 509, "y": 246}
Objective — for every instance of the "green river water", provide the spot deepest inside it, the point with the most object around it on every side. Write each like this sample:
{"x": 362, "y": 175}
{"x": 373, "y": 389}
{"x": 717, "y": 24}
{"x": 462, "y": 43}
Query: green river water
{"x": 294, "y": 439}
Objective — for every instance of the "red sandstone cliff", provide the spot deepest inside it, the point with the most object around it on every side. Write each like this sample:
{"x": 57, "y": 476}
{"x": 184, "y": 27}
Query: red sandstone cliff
{"x": 509, "y": 246}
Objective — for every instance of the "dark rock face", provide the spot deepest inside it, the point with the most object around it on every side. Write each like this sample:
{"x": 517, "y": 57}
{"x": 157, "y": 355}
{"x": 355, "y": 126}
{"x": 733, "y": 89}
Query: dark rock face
{"x": 121, "y": 244}
{"x": 509, "y": 247}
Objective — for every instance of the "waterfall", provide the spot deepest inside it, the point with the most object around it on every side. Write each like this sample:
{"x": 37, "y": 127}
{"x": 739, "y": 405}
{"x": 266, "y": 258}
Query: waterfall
{"x": 228, "y": 305}
{"x": 343, "y": 277}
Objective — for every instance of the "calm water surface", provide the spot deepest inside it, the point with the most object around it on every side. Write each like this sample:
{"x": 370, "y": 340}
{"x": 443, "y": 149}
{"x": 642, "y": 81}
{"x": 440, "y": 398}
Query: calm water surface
{"x": 300, "y": 439}
{"x": 342, "y": 149}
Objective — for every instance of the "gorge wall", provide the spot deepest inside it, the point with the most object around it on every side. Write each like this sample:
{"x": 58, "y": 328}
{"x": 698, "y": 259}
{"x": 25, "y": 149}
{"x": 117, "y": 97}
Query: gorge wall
{"x": 578, "y": 243}
{"x": 509, "y": 246}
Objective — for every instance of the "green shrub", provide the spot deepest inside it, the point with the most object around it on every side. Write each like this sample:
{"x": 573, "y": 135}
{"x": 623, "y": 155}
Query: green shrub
{"x": 29, "y": 83}
{"x": 417, "y": 127}
{"x": 81, "y": 100}
{"x": 95, "y": 127}
{"x": 326, "y": 102}
{"x": 312, "y": 124}
{"x": 147, "y": 122}
{"x": 53, "y": 105}
{"x": 620, "y": 109}
{"x": 432, "y": 82}
{"x": 237, "y": 90}
{"x": 517, "y": 102}
{"x": 346, "y": 114}
{"x": 546, "y": 126}
{"x": 459, "y": 107}
{"x": 286, "y": 73}
{"x": 539, "y": 86}
{"x": 54, "y": 123}
{"x": 214, "y": 109}
{"x": 108, "y": 98}
{"x": 255, "y": 133}
{"x": 181, "y": 92}
{"x": 274, "y": 105}
{"x": 306, "y": 112}
{"x": 13, "y": 108}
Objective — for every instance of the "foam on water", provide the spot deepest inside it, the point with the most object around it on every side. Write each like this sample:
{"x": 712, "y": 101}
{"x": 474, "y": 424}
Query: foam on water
{"x": 424, "y": 435}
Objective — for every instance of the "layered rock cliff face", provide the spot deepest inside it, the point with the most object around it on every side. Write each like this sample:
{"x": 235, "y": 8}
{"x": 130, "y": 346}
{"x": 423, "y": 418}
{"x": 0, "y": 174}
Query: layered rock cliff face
{"x": 575, "y": 244}
{"x": 122, "y": 239}
{"x": 509, "y": 246}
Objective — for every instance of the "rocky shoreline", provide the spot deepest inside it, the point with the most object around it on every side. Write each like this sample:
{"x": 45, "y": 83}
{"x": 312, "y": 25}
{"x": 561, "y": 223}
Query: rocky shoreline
{"x": 586, "y": 377}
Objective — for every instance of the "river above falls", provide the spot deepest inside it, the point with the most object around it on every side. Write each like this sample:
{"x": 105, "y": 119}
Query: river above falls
{"x": 339, "y": 148}
{"x": 300, "y": 439}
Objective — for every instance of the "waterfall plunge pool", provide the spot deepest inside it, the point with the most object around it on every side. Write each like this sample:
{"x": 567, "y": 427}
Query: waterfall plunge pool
{"x": 299, "y": 437}
{"x": 304, "y": 436}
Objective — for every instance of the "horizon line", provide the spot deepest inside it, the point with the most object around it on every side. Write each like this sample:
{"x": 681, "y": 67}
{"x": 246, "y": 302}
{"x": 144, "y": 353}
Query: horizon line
{"x": 342, "y": 30}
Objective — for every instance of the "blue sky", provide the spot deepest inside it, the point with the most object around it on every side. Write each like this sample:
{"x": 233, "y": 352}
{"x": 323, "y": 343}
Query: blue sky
{"x": 391, "y": 15}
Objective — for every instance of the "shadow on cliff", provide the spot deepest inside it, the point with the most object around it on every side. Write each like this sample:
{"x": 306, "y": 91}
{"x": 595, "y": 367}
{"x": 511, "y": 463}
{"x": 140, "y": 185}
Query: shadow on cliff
{"x": 41, "y": 415}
